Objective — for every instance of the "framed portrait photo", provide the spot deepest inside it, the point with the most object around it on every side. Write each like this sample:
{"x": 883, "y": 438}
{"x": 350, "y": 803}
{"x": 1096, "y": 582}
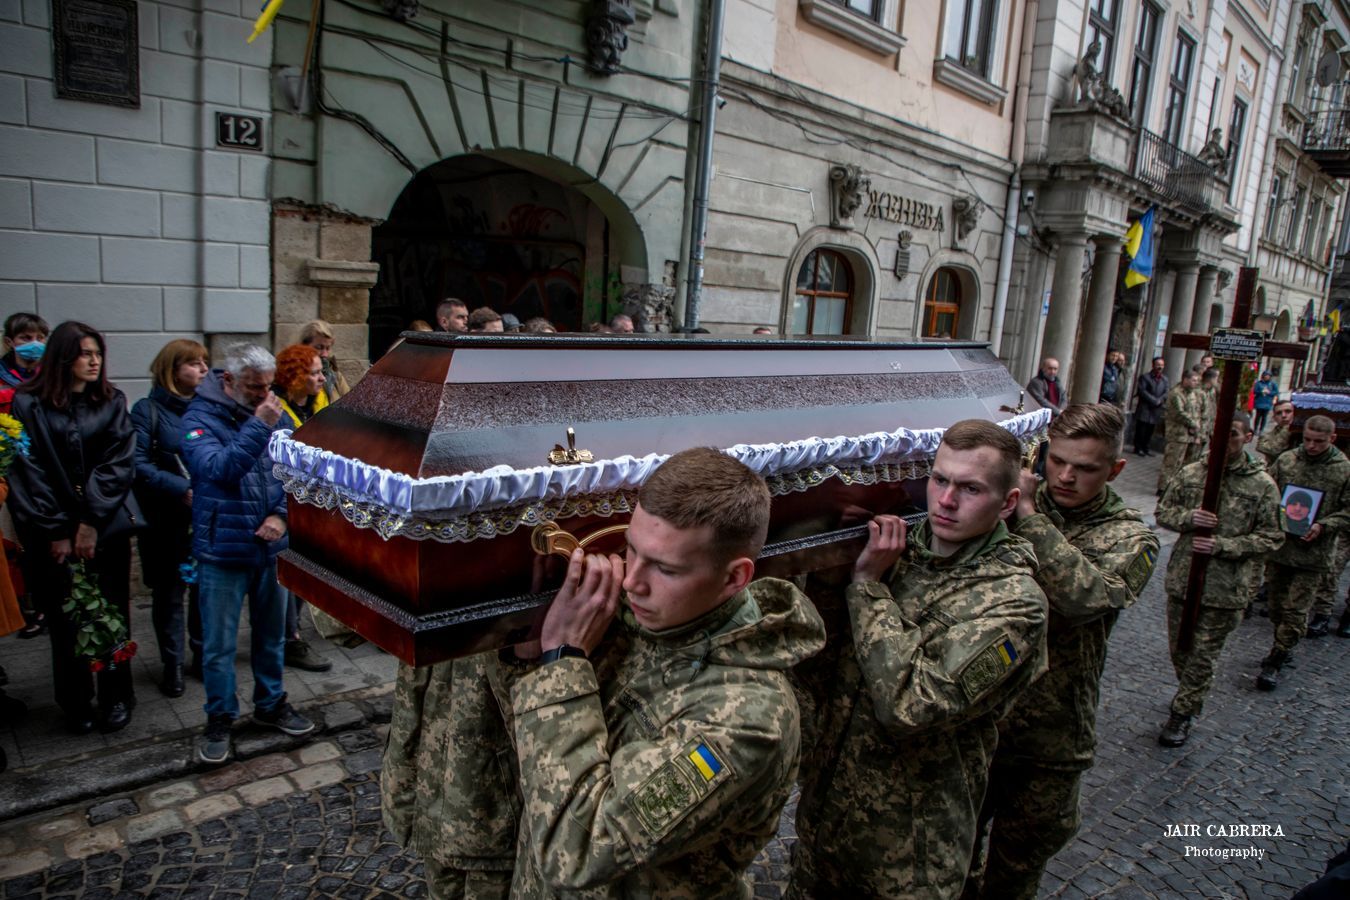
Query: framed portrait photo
{"x": 1298, "y": 509}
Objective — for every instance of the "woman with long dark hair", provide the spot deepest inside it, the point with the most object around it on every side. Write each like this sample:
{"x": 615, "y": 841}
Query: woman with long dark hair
{"x": 164, "y": 489}
{"x": 69, "y": 497}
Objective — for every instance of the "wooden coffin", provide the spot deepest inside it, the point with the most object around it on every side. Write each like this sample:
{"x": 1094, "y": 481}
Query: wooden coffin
{"x": 1330, "y": 400}
{"x": 414, "y": 500}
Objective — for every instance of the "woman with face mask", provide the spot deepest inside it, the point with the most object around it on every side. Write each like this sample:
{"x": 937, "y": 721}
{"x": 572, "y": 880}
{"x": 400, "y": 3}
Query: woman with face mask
{"x": 164, "y": 490}
{"x": 70, "y": 499}
{"x": 25, "y": 339}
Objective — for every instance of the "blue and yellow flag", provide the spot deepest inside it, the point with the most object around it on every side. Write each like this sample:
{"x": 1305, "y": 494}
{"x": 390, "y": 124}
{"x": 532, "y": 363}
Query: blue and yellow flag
{"x": 1139, "y": 245}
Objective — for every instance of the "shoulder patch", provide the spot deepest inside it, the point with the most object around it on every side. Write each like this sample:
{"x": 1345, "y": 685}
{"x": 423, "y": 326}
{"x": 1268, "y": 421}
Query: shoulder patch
{"x": 1140, "y": 570}
{"x": 195, "y": 433}
{"x": 679, "y": 785}
{"x": 988, "y": 668}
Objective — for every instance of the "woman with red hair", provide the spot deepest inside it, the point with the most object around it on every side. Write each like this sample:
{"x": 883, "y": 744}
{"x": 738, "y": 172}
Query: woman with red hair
{"x": 299, "y": 382}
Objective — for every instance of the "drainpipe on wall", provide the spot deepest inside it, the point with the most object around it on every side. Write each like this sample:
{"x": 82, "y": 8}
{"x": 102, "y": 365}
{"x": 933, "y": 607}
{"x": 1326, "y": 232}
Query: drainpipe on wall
{"x": 703, "y": 175}
{"x": 1016, "y": 153}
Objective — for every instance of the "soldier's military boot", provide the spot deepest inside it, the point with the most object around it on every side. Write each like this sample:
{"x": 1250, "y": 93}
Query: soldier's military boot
{"x": 1269, "y": 678}
{"x": 1344, "y": 629}
{"x": 1176, "y": 730}
{"x": 1319, "y": 626}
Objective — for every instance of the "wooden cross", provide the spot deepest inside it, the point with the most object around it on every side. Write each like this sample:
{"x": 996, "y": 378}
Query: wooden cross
{"x": 1218, "y": 441}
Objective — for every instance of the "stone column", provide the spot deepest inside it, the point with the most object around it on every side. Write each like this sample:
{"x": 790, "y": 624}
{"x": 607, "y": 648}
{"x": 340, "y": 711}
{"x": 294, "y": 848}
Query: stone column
{"x": 1204, "y": 298}
{"x": 1066, "y": 300}
{"x": 1179, "y": 317}
{"x": 1096, "y": 331}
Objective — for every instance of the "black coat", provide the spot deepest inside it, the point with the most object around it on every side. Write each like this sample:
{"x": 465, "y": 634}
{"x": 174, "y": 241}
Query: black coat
{"x": 161, "y": 474}
{"x": 79, "y": 469}
{"x": 1152, "y": 394}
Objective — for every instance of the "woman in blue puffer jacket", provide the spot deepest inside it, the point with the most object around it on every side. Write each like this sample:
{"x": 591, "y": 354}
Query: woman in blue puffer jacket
{"x": 164, "y": 489}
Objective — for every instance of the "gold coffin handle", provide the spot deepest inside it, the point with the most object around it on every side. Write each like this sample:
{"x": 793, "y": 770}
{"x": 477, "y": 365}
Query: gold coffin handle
{"x": 547, "y": 538}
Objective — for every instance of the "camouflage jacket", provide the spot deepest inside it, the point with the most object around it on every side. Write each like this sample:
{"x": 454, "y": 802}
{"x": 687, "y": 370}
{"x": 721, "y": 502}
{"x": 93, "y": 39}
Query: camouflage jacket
{"x": 1249, "y": 528}
{"x": 661, "y": 770}
{"x": 1181, "y": 416}
{"x": 1094, "y": 562}
{"x": 889, "y": 802}
{"x": 1330, "y": 474}
{"x": 1207, "y": 405}
{"x": 448, "y": 787}
{"x": 1273, "y": 443}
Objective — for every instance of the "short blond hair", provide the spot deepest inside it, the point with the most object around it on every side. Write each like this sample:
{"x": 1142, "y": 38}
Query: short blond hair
{"x": 164, "y": 367}
{"x": 315, "y": 328}
{"x": 1320, "y": 424}
{"x": 972, "y": 434}
{"x": 704, "y": 486}
{"x": 1099, "y": 421}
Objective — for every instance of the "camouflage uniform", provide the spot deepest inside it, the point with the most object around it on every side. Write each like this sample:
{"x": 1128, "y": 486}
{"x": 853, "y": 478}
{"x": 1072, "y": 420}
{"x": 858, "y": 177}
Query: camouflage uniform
{"x": 1207, "y": 408}
{"x": 661, "y": 770}
{"x": 1296, "y": 571}
{"x": 1325, "y": 601}
{"x": 1183, "y": 430}
{"x": 448, "y": 788}
{"x": 1095, "y": 560}
{"x": 1273, "y": 443}
{"x": 1249, "y": 528}
{"x": 890, "y": 795}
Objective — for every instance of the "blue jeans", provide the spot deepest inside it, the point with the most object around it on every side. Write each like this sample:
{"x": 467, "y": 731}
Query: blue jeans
{"x": 222, "y": 590}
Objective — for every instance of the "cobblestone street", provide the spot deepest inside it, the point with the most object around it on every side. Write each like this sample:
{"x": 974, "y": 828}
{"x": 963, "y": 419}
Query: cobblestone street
{"x": 303, "y": 820}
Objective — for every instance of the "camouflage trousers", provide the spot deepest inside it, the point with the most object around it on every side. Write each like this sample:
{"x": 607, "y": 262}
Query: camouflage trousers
{"x": 1325, "y": 601}
{"x": 1195, "y": 670}
{"x": 460, "y": 884}
{"x": 1290, "y": 593}
{"x": 1175, "y": 455}
{"x": 1031, "y": 813}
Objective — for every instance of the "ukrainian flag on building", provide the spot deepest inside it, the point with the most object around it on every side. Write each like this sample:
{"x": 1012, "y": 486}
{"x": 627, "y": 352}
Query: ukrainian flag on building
{"x": 1139, "y": 245}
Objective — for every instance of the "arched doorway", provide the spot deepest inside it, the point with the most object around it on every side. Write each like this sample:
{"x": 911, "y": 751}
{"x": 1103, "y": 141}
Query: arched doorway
{"x": 494, "y": 233}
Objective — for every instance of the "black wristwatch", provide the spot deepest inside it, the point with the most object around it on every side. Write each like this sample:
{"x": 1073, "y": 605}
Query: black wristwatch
{"x": 559, "y": 652}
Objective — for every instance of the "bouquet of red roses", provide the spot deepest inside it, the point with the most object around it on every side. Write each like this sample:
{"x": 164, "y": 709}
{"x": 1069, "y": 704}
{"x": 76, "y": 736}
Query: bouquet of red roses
{"x": 101, "y": 632}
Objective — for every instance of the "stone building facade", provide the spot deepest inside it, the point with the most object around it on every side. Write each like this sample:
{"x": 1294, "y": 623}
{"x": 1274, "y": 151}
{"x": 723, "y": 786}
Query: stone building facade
{"x": 132, "y": 217}
{"x": 861, "y": 172}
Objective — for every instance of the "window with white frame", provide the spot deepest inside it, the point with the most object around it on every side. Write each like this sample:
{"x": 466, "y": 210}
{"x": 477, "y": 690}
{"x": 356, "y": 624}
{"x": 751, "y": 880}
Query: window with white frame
{"x": 1295, "y": 218}
{"x": 1298, "y": 70}
{"x": 1237, "y": 124}
{"x": 1103, "y": 19}
{"x": 1178, "y": 88}
{"x": 1145, "y": 57}
{"x": 869, "y": 8}
{"x": 969, "y": 37}
{"x": 1273, "y": 210}
{"x": 1311, "y": 227}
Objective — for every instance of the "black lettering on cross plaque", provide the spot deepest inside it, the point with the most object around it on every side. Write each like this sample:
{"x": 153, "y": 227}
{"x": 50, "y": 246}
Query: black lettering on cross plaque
{"x": 96, "y": 51}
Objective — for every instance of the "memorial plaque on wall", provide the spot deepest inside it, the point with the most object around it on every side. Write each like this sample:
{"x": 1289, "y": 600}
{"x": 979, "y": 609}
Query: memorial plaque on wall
{"x": 96, "y": 51}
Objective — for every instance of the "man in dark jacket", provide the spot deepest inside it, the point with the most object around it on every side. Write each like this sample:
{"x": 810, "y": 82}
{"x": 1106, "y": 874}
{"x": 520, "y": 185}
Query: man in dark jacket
{"x": 1151, "y": 388}
{"x": 1045, "y": 388}
{"x": 238, "y": 528}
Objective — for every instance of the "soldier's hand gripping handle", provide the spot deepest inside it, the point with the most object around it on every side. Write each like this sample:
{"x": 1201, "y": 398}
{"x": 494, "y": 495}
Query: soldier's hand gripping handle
{"x": 885, "y": 542}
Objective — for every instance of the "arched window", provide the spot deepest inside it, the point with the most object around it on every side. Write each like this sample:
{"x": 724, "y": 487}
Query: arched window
{"x": 823, "y": 303}
{"x": 942, "y": 304}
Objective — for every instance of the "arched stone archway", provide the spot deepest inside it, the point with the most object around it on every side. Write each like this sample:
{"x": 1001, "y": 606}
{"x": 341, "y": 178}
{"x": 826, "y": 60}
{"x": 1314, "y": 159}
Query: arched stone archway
{"x": 1282, "y": 326}
{"x": 521, "y": 234}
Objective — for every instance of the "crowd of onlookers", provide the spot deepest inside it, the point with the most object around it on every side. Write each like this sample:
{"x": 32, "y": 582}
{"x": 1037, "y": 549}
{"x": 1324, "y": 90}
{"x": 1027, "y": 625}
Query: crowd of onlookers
{"x": 184, "y": 474}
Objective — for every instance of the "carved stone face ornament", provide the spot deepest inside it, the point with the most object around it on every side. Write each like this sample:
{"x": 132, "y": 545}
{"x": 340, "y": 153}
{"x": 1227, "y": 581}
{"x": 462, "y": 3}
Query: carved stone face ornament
{"x": 848, "y": 189}
{"x": 607, "y": 34}
{"x": 965, "y": 216}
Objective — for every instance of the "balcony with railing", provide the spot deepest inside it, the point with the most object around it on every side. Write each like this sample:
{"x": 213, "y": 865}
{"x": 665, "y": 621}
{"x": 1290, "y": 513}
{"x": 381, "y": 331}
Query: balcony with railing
{"x": 1326, "y": 140}
{"x": 1180, "y": 178}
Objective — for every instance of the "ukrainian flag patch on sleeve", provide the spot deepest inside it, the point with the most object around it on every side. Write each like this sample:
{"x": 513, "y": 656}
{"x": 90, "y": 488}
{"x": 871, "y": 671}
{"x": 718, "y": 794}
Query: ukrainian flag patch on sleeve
{"x": 705, "y": 761}
{"x": 1007, "y": 652}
